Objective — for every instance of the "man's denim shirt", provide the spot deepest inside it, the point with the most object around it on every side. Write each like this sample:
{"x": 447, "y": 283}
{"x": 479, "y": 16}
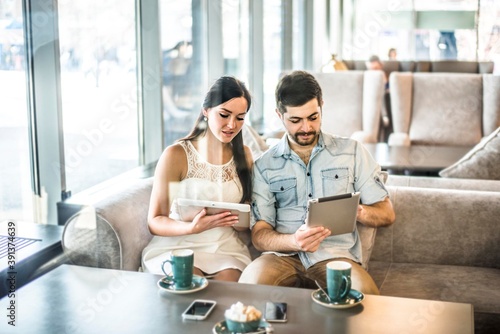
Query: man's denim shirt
{"x": 283, "y": 184}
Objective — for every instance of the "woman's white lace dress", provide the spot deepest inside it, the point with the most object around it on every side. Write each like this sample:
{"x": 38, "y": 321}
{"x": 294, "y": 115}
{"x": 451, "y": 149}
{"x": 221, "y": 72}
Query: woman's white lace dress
{"x": 215, "y": 249}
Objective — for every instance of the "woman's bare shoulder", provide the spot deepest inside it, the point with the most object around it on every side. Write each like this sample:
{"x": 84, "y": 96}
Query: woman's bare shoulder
{"x": 173, "y": 160}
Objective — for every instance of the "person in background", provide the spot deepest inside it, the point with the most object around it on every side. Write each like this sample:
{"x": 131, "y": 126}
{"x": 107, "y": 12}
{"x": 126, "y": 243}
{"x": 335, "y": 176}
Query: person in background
{"x": 374, "y": 63}
{"x": 308, "y": 163}
{"x": 210, "y": 163}
{"x": 392, "y": 54}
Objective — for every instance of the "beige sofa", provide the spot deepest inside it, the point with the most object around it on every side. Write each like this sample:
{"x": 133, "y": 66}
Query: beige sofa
{"x": 443, "y": 108}
{"x": 443, "y": 245}
{"x": 353, "y": 103}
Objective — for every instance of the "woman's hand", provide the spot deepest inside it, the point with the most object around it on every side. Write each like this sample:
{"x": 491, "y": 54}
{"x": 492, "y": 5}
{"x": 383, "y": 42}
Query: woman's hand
{"x": 203, "y": 222}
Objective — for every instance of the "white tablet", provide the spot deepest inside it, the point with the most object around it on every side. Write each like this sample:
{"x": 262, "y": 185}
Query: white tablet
{"x": 337, "y": 213}
{"x": 189, "y": 208}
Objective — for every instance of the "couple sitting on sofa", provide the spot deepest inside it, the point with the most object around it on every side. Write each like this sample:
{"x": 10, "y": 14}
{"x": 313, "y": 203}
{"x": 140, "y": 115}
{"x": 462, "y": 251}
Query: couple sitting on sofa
{"x": 212, "y": 163}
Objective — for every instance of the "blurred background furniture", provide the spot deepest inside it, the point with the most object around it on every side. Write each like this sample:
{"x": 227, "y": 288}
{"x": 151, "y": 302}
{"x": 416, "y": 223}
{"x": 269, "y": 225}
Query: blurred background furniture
{"x": 450, "y": 66}
{"x": 421, "y": 159}
{"x": 352, "y": 103}
{"x": 443, "y": 108}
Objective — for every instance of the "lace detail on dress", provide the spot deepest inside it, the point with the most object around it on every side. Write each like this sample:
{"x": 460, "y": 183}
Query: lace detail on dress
{"x": 200, "y": 169}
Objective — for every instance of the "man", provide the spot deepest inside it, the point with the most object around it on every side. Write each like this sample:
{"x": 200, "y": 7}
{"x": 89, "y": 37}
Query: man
{"x": 375, "y": 64}
{"x": 392, "y": 54}
{"x": 308, "y": 163}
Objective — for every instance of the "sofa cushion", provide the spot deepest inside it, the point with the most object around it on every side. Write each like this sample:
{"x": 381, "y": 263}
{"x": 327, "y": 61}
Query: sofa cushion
{"x": 343, "y": 101}
{"x": 367, "y": 236}
{"x": 491, "y": 103}
{"x": 461, "y": 284}
{"x": 438, "y": 99}
{"x": 454, "y": 66}
{"x": 482, "y": 162}
{"x": 439, "y": 226}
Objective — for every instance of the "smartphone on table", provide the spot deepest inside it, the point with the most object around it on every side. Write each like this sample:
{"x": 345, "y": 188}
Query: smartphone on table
{"x": 276, "y": 312}
{"x": 199, "y": 309}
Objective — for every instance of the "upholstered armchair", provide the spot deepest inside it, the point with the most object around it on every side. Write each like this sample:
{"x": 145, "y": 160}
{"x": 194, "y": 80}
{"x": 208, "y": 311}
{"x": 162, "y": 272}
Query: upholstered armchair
{"x": 352, "y": 103}
{"x": 455, "y": 109}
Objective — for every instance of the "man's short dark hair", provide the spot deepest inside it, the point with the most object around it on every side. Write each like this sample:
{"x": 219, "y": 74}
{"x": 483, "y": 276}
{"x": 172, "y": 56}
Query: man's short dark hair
{"x": 296, "y": 89}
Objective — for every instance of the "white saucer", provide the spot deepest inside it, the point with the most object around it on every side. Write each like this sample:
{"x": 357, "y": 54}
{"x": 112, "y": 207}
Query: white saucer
{"x": 354, "y": 298}
{"x": 199, "y": 283}
{"x": 221, "y": 328}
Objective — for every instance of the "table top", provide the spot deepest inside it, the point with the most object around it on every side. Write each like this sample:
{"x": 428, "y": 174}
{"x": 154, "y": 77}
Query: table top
{"x": 78, "y": 299}
{"x": 416, "y": 157}
{"x": 24, "y": 247}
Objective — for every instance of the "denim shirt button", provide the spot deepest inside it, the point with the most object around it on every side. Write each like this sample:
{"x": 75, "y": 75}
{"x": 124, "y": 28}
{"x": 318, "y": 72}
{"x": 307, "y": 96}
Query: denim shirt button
{"x": 310, "y": 195}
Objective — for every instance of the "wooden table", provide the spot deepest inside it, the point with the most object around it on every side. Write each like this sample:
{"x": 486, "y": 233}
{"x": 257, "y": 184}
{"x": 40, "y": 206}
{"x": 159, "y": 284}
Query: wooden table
{"x": 416, "y": 158}
{"x": 73, "y": 299}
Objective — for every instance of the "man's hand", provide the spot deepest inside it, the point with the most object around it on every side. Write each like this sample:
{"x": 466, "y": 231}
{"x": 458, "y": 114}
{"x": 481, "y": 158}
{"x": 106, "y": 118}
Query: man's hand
{"x": 308, "y": 239}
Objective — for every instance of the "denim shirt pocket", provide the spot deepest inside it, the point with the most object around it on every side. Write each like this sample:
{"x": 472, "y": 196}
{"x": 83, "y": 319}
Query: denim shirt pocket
{"x": 285, "y": 191}
{"x": 336, "y": 181}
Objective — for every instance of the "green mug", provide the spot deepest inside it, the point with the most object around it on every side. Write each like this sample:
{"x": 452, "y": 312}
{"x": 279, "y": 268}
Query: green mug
{"x": 182, "y": 261}
{"x": 338, "y": 280}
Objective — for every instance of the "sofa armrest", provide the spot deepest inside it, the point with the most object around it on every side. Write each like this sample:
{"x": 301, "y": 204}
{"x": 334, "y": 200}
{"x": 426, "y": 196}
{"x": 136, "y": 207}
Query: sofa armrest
{"x": 364, "y": 137}
{"x": 112, "y": 232}
{"x": 399, "y": 139}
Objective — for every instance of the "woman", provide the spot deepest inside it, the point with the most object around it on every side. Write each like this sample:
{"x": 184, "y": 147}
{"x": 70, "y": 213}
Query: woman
{"x": 210, "y": 163}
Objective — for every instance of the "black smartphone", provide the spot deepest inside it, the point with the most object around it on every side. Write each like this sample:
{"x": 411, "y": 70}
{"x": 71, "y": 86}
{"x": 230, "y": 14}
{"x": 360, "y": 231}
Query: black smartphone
{"x": 199, "y": 309}
{"x": 276, "y": 312}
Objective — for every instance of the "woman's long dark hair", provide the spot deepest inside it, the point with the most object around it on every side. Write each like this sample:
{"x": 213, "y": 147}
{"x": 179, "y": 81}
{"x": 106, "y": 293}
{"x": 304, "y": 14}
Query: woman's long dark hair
{"x": 223, "y": 90}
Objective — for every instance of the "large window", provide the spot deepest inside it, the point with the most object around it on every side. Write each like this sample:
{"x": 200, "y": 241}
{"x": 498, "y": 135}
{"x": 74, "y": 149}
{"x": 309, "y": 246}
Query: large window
{"x": 424, "y": 30}
{"x": 16, "y": 200}
{"x": 99, "y": 90}
{"x": 272, "y": 60}
{"x": 489, "y": 32}
{"x": 181, "y": 84}
{"x": 235, "y": 37}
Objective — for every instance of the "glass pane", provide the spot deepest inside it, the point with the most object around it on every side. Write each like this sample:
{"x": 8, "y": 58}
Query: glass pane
{"x": 378, "y": 27}
{"x": 272, "y": 61}
{"x": 431, "y": 44}
{"x": 99, "y": 90}
{"x": 489, "y": 33}
{"x": 15, "y": 181}
{"x": 235, "y": 38}
{"x": 445, "y": 4}
{"x": 183, "y": 86}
